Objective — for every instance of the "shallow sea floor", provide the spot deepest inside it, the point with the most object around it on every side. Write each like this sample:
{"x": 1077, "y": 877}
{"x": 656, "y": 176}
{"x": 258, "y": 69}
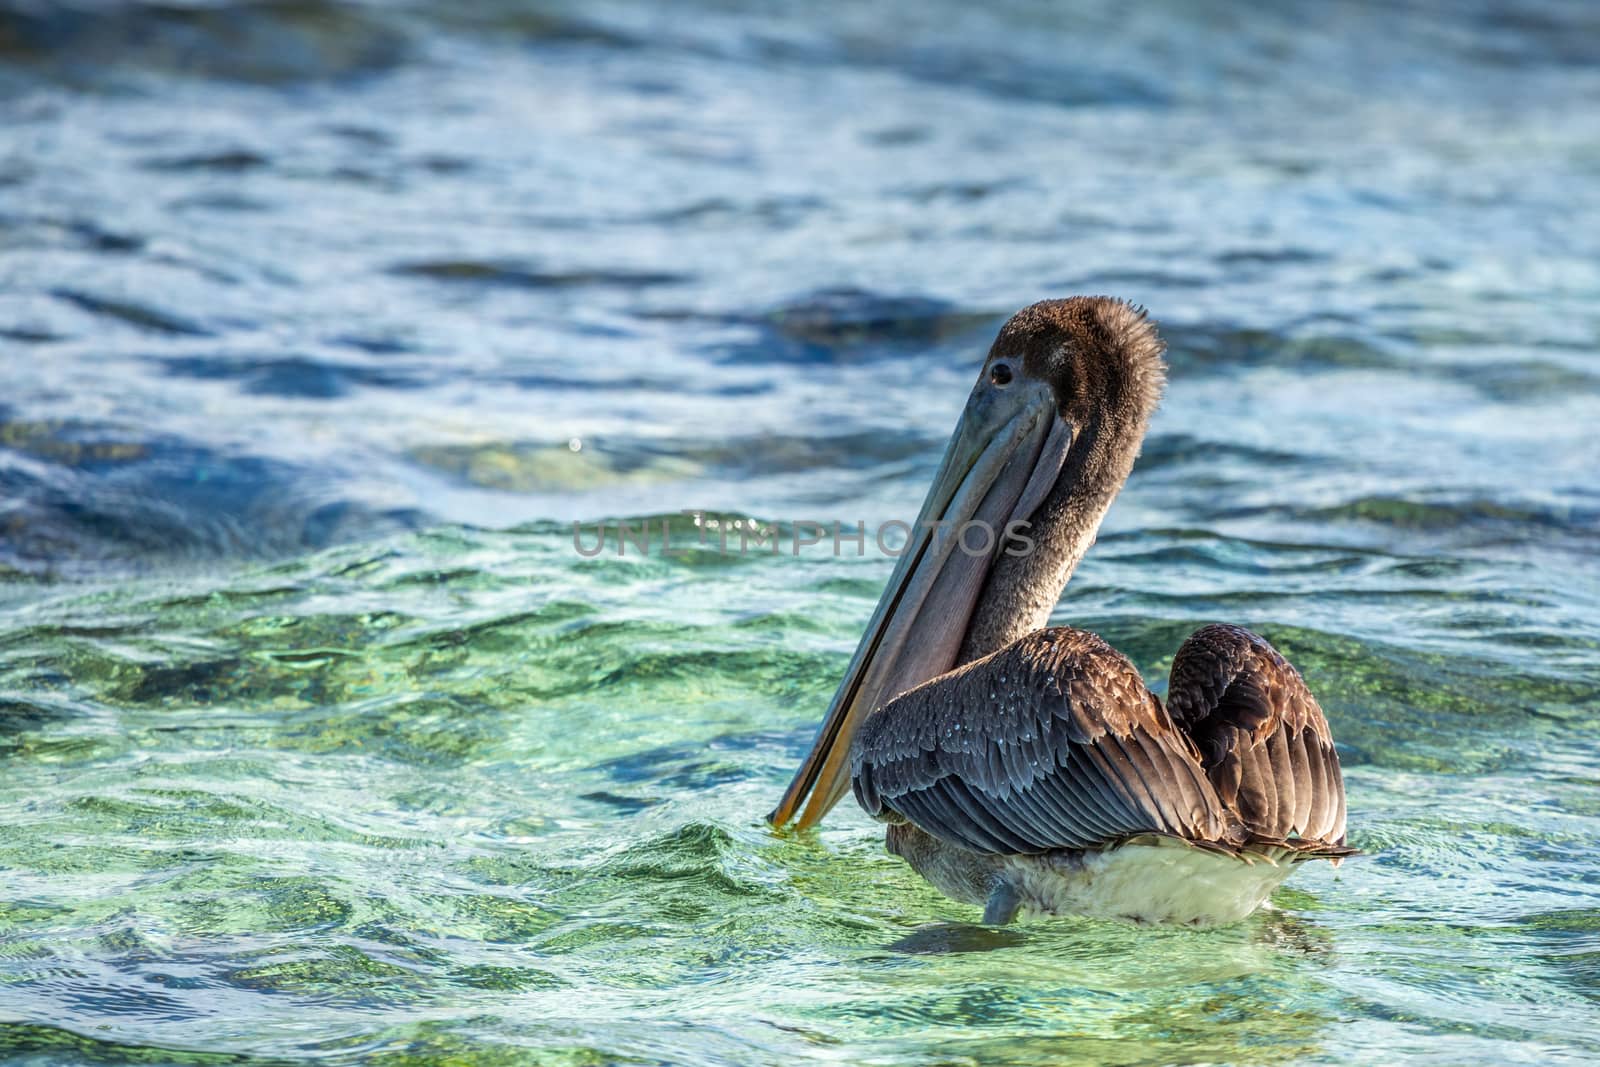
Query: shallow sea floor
{"x": 321, "y": 323}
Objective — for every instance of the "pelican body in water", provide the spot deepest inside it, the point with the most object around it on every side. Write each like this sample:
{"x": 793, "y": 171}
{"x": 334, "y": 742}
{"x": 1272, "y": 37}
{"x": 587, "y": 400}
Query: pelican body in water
{"x": 1030, "y": 770}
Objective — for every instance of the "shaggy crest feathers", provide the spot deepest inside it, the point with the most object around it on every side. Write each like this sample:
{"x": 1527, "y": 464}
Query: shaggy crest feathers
{"x": 1102, "y": 356}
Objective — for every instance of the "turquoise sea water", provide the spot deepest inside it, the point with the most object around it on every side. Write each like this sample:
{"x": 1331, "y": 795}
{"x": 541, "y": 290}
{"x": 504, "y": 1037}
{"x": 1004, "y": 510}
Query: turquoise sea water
{"x": 321, "y": 323}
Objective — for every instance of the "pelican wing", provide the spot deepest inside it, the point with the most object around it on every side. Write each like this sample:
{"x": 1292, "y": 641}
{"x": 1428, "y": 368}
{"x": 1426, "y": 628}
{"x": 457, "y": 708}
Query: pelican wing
{"x": 1263, "y": 740}
{"x": 1050, "y": 743}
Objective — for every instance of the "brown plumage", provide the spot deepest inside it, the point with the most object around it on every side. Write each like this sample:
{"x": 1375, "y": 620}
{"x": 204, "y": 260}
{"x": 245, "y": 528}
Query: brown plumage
{"x": 1027, "y": 767}
{"x": 1054, "y": 743}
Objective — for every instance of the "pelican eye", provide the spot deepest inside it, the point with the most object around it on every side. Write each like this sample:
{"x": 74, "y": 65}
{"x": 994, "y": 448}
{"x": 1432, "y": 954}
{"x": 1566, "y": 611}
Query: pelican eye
{"x": 1000, "y": 374}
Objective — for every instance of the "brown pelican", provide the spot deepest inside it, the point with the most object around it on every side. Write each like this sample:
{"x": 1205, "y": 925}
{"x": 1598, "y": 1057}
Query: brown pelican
{"x": 1028, "y": 769}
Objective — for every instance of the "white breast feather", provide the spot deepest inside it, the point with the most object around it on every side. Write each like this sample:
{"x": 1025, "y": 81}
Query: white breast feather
{"x": 1160, "y": 882}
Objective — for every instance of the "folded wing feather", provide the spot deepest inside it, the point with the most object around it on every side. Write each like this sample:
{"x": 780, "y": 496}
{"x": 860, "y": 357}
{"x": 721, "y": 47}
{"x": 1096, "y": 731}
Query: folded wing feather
{"x": 1054, "y": 743}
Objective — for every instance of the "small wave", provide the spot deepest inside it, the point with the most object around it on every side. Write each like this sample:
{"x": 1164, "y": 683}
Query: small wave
{"x": 68, "y": 231}
{"x": 1163, "y": 450}
{"x": 525, "y": 276}
{"x": 775, "y": 212}
{"x": 702, "y": 466}
{"x": 29, "y": 335}
{"x": 692, "y": 767}
{"x": 1267, "y": 256}
{"x": 525, "y": 467}
{"x": 83, "y": 497}
{"x": 694, "y": 872}
{"x": 1524, "y": 381}
{"x": 302, "y": 377}
{"x": 141, "y": 316}
{"x": 1409, "y": 513}
{"x": 276, "y": 42}
{"x": 1199, "y": 348}
{"x": 226, "y": 161}
{"x": 843, "y": 326}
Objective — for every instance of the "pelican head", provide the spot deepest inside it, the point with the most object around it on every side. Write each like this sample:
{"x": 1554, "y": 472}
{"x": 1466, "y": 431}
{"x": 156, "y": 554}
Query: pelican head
{"x": 1048, "y": 436}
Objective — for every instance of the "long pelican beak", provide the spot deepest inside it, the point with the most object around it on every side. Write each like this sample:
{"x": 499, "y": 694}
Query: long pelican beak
{"x": 1002, "y": 462}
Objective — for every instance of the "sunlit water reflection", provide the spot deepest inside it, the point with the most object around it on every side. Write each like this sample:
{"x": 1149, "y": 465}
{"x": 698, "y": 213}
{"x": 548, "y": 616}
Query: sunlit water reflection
{"x": 321, "y": 323}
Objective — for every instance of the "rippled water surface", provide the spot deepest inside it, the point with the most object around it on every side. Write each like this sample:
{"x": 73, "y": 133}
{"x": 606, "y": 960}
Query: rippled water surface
{"x": 321, "y": 322}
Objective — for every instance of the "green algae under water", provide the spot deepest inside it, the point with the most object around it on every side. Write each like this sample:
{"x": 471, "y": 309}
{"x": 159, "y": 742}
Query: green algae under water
{"x": 470, "y": 793}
